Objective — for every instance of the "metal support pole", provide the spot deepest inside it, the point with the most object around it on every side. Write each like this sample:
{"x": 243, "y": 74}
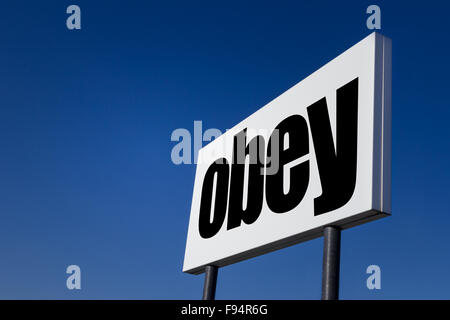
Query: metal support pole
{"x": 209, "y": 289}
{"x": 331, "y": 262}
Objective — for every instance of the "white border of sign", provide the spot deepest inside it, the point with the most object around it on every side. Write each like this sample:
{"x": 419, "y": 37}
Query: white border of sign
{"x": 370, "y": 62}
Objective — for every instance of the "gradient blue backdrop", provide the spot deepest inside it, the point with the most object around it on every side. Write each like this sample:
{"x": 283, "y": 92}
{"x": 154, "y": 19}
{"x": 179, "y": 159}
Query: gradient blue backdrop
{"x": 85, "y": 122}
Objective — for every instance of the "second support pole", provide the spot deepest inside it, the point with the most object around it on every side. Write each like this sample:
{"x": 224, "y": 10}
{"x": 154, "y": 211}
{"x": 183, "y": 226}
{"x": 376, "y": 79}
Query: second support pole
{"x": 331, "y": 263}
{"x": 209, "y": 289}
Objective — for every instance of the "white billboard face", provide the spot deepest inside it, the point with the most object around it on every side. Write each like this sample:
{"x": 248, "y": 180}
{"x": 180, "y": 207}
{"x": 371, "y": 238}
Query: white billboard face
{"x": 317, "y": 155}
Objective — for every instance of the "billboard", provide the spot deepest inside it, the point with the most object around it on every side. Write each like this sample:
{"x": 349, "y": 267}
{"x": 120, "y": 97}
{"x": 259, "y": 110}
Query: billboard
{"x": 317, "y": 155}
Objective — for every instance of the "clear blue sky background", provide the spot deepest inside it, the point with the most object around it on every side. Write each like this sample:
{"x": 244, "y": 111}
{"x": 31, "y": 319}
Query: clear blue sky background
{"x": 85, "y": 122}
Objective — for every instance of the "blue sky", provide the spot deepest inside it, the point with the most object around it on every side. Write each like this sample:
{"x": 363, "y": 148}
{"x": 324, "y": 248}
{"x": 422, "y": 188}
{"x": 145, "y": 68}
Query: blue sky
{"x": 86, "y": 116}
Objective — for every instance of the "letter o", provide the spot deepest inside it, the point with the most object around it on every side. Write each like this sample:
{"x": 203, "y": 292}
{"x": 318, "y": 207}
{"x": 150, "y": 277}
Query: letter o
{"x": 218, "y": 172}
